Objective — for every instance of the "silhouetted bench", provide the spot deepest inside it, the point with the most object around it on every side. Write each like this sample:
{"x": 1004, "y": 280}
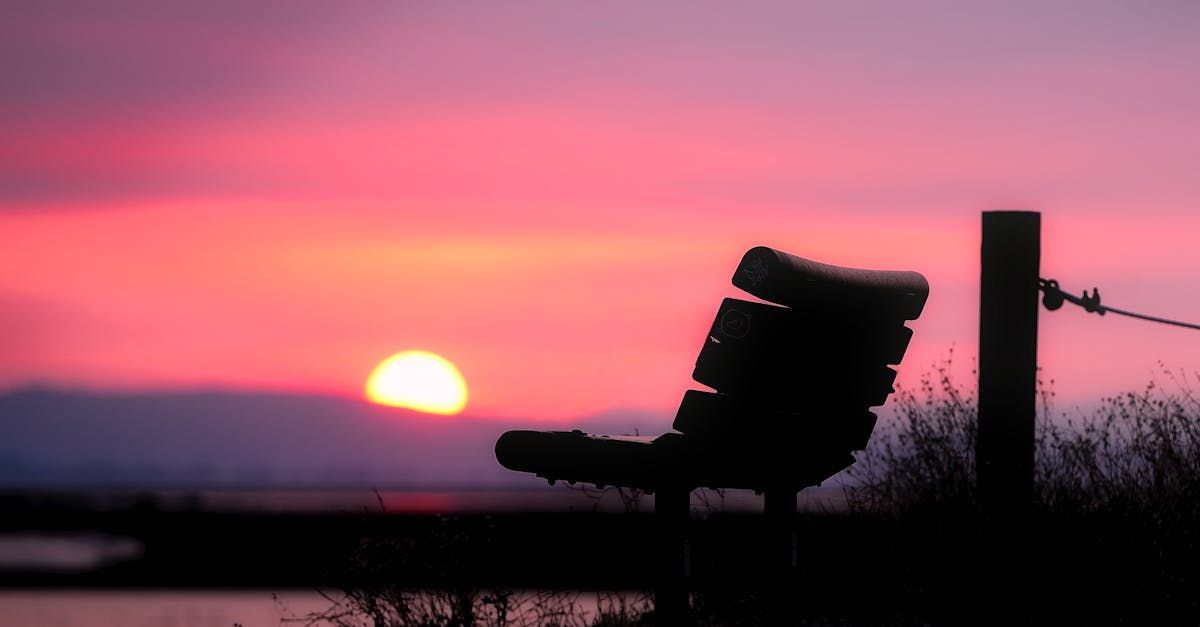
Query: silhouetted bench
{"x": 794, "y": 385}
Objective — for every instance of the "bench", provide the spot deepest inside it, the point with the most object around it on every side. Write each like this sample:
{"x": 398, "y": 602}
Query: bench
{"x": 794, "y": 379}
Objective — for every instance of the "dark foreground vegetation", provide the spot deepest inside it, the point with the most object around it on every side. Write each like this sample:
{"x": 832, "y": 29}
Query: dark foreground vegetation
{"x": 1111, "y": 537}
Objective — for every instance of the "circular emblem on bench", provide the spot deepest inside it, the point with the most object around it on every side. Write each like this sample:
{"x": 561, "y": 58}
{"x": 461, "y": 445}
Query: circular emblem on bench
{"x": 735, "y": 323}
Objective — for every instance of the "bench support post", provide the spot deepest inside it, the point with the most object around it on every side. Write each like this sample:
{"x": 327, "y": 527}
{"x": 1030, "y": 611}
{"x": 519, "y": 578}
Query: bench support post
{"x": 672, "y": 512}
{"x": 779, "y": 508}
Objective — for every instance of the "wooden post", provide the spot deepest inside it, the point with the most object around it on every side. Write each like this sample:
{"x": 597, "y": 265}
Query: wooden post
{"x": 672, "y": 512}
{"x": 1008, "y": 314}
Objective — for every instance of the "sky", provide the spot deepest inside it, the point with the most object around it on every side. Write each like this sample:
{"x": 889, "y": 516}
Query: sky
{"x": 554, "y": 195}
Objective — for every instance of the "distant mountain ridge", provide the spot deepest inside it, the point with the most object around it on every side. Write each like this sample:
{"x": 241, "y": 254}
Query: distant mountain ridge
{"x": 224, "y": 438}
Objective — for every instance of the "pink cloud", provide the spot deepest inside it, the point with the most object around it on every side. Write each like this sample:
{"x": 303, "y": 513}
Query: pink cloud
{"x": 556, "y": 203}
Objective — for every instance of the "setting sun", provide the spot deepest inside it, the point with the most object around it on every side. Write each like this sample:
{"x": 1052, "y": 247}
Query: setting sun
{"x": 418, "y": 380}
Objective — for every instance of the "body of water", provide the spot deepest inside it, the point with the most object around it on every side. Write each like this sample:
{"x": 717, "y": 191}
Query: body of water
{"x": 134, "y": 608}
{"x": 559, "y": 498}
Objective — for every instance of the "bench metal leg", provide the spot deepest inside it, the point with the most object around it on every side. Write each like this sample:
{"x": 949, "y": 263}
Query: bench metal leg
{"x": 672, "y": 511}
{"x": 779, "y": 507}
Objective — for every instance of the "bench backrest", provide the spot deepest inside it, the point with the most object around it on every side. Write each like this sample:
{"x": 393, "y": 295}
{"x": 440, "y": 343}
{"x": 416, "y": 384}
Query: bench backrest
{"x": 824, "y": 347}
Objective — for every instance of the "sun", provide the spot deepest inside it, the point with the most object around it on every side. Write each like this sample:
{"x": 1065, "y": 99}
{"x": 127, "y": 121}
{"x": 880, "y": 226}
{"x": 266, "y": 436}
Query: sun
{"x": 418, "y": 380}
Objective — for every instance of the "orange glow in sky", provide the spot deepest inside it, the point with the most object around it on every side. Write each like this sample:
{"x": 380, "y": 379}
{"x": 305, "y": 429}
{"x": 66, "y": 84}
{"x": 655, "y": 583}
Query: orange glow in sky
{"x": 213, "y": 198}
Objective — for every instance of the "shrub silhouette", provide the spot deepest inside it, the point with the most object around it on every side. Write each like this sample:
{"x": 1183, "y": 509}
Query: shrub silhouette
{"x": 1114, "y": 532}
{"x": 1138, "y": 452}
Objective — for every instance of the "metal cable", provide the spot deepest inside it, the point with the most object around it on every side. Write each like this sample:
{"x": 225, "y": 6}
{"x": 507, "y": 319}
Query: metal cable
{"x": 1053, "y": 297}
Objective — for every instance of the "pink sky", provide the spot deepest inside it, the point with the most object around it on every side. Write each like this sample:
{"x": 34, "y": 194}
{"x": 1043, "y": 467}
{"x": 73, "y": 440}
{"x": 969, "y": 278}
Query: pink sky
{"x": 554, "y": 196}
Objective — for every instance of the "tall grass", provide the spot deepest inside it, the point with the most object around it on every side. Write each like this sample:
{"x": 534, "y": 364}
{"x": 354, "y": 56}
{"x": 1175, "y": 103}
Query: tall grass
{"x": 1113, "y": 535}
{"x": 395, "y": 607}
{"x": 1138, "y": 452}
{"x": 925, "y": 456}
{"x": 456, "y": 573}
